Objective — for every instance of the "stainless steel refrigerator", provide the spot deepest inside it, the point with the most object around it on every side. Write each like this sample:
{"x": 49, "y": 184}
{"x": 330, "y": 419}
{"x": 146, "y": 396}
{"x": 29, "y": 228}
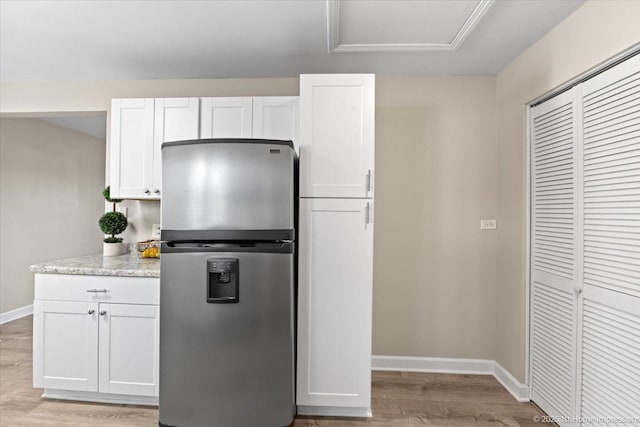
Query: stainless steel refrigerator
{"x": 227, "y": 283}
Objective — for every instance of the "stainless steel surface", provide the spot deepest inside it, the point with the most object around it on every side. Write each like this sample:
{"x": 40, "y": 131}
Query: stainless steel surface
{"x": 227, "y": 365}
{"x": 91, "y": 311}
{"x": 97, "y": 290}
{"x": 227, "y": 186}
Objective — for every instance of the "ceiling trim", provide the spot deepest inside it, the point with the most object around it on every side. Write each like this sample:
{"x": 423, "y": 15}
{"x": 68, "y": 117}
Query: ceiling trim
{"x": 334, "y": 45}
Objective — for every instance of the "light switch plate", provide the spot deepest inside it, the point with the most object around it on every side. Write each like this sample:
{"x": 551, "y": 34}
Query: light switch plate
{"x": 155, "y": 231}
{"x": 488, "y": 224}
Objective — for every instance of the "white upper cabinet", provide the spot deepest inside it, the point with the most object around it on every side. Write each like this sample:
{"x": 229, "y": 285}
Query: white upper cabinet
{"x": 226, "y": 117}
{"x": 337, "y": 121}
{"x": 138, "y": 129}
{"x": 131, "y": 167}
{"x": 176, "y": 119}
{"x": 276, "y": 117}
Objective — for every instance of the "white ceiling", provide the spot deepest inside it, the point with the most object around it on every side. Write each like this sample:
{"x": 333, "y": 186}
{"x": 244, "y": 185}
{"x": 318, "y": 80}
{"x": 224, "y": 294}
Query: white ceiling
{"x": 109, "y": 39}
{"x": 392, "y": 26}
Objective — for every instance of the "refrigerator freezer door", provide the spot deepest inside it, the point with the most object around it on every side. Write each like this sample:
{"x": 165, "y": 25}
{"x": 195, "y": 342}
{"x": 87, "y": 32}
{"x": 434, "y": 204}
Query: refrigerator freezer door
{"x": 226, "y": 364}
{"x": 227, "y": 185}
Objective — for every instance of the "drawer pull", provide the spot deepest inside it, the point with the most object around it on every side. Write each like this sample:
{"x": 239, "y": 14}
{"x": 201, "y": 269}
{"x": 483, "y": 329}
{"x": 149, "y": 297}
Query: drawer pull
{"x": 103, "y": 312}
{"x": 91, "y": 311}
{"x": 98, "y": 290}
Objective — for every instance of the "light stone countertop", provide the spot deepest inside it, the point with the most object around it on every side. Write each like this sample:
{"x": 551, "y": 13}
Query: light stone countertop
{"x": 127, "y": 265}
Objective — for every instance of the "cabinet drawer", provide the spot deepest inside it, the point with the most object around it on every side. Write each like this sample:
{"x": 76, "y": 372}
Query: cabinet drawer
{"x": 130, "y": 290}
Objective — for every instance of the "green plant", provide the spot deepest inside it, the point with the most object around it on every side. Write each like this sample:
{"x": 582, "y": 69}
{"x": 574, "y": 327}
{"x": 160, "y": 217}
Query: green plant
{"x": 112, "y": 222}
{"x": 107, "y": 195}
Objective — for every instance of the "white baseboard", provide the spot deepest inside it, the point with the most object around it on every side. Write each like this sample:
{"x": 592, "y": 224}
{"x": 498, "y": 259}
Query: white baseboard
{"x": 518, "y": 390}
{"x": 447, "y": 365}
{"x": 334, "y": 411}
{"x": 432, "y": 364}
{"x": 89, "y": 396}
{"x": 11, "y": 315}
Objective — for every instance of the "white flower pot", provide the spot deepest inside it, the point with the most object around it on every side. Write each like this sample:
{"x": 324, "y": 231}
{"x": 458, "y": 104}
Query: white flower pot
{"x": 112, "y": 249}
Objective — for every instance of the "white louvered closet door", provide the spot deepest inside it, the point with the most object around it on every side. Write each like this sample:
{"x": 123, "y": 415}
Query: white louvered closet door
{"x": 609, "y": 359}
{"x": 555, "y": 252}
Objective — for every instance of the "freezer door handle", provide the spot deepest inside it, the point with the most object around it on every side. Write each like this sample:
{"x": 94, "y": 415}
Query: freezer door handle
{"x": 256, "y": 247}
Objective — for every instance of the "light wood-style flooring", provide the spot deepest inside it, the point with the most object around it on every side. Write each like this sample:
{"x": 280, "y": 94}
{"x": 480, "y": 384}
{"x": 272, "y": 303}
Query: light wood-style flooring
{"x": 399, "y": 399}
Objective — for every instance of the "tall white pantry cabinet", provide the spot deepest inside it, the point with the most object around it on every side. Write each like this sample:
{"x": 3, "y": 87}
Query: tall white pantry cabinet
{"x": 335, "y": 244}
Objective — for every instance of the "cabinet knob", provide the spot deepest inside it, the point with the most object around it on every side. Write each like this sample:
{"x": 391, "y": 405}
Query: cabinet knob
{"x": 146, "y": 191}
{"x": 103, "y": 312}
{"x": 156, "y": 191}
{"x": 91, "y": 311}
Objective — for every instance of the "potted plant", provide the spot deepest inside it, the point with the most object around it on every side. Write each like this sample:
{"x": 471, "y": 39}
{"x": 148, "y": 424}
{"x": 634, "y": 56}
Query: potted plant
{"x": 112, "y": 223}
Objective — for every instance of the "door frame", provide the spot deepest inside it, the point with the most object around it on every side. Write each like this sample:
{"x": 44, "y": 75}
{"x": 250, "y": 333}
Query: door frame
{"x": 597, "y": 69}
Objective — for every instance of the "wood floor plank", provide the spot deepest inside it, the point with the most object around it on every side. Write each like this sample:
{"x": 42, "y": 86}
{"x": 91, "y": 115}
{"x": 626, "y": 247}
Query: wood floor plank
{"x": 399, "y": 399}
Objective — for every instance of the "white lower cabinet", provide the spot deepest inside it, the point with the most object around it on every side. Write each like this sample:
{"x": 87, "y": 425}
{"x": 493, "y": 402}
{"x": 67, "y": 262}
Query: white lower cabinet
{"x": 102, "y": 344}
{"x": 67, "y": 334}
{"x": 334, "y": 307}
{"x": 128, "y": 349}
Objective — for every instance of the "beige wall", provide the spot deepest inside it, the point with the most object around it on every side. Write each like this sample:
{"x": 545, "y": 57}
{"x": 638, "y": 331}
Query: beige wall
{"x": 434, "y": 269}
{"x": 80, "y": 96}
{"x": 51, "y": 182}
{"x": 436, "y": 178}
{"x": 595, "y": 32}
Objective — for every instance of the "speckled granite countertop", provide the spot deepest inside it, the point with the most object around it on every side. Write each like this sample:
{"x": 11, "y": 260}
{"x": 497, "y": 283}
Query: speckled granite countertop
{"x": 128, "y": 265}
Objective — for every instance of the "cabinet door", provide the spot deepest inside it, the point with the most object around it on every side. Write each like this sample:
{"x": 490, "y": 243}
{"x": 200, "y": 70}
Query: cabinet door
{"x": 131, "y": 168}
{"x": 337, "y": 135}
{"x": 276, "y": 117}
{"x": 129, "y": 348}
{"x": 334, "y": 306}
{"x": 176, "y": 119}
{"x": 555, "y": 253}
{"x": 610, "y": 340}
{"x": 226, "y": 117}
{"x": 65, "y": 345}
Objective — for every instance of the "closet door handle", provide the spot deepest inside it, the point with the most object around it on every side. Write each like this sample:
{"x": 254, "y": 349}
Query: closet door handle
{"x": 103, "y": 312}
{"x": 577, "y": 290}
{"x": 91, "y": 311}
